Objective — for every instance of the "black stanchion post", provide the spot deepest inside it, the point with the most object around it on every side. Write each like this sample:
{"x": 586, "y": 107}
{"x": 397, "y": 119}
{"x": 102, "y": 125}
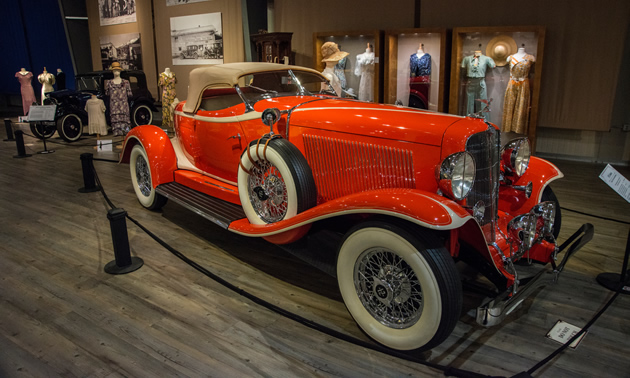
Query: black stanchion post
{"x": 19, "y": 143}
{"x": 124, "y": 263}
{"x": 89, "y": 182}
{"x": 9, "y": 127}
{"x": 614, "y": 281}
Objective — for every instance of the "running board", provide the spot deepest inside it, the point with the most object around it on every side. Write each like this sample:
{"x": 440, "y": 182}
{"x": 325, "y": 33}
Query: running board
{"x": 213, "y": 209}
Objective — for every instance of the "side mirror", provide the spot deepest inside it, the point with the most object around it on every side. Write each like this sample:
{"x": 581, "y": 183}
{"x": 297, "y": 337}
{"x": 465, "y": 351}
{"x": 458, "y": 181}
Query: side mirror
{"x": 270, "y": 117}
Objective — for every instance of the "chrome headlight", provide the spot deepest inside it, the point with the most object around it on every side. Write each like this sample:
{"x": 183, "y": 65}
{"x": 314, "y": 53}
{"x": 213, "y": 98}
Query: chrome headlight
{"x": 456, "y": 175}
{"x": 515, "y": 156}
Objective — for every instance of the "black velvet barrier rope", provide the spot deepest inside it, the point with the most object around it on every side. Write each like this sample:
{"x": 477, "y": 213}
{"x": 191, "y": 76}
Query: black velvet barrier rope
{"x": 447, "y": 370}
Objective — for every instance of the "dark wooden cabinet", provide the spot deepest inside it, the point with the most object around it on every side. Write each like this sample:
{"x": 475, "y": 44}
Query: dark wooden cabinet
{"x": 273, "y": 47}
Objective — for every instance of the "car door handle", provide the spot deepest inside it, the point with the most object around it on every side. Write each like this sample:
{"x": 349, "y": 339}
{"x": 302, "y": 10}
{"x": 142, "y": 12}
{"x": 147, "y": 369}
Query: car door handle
{"x": 236, "y": 136}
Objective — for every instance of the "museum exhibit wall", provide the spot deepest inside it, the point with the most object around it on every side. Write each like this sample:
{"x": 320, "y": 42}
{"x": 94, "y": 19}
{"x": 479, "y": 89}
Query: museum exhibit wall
{"x": 578, "y": 93}
{"x": 160, "y": 52}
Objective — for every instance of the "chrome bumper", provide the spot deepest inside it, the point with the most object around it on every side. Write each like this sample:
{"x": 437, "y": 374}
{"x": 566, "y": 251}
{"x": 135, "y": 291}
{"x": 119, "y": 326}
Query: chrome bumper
{"x": 494, "y": 310}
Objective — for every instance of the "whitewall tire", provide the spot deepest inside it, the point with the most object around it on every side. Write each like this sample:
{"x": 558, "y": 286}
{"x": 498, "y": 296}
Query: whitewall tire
{"x": 401, "y": 287}
{"x": 274, "y": 183}
{"x": 141, "y": 179}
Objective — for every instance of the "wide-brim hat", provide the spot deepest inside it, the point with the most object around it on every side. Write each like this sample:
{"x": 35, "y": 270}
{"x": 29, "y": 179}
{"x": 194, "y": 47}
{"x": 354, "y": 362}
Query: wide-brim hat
{"x": 500, "y": 48}
{"x": 115, "y": 67}
{"x": 331, "y": 53}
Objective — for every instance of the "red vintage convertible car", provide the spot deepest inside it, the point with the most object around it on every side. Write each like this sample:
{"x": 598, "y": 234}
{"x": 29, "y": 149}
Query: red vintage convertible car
{"x": 266, "y": 150}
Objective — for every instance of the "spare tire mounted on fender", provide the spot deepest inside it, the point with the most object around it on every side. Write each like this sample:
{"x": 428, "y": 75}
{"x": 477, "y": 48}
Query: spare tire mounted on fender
{"x": 275, "y": 181}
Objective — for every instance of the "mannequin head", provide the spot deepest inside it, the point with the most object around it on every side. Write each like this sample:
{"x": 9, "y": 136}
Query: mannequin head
{"x": 369, "y": 47}
{"x": 116, "y": 74}
{"x": 167, "y": 70}
{"x": 22, "y": 69}
{"x": 45, "y": 70}
{"x": 58, "y": 70}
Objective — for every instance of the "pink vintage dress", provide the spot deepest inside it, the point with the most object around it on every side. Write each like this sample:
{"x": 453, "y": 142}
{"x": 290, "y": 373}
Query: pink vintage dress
{"x": 28, "y": 94}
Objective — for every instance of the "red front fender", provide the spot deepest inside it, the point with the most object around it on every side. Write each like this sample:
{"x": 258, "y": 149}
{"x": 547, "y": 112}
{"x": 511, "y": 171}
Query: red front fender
{"x": 540, "y": 173}
{"x": 156, "y": 143}
{"x": 426, "y": 209}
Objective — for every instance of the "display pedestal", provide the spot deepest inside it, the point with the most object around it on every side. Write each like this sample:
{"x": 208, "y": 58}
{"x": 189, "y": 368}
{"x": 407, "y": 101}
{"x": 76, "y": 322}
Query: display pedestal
{"x": 618, "y": 282}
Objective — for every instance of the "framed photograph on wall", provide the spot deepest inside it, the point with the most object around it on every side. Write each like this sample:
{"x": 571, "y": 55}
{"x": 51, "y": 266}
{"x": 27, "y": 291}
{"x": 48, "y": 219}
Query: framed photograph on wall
{"x": 182, "y": 2}
{"x": 114, "y": 12}
{"x": 125, "y": 49}
{"x": 197, "y": 39}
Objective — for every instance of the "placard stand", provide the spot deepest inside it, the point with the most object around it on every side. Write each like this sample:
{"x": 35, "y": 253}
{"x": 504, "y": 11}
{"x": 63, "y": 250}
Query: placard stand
{"x": 614, "y": 281}
{"x": 42, "y": 113}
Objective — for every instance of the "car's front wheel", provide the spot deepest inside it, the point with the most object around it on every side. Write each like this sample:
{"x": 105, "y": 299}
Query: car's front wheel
{"x": 70, "y": 127}
{"x": 549, "y": 195}
{"x": 142, "y": 115}
{"x": 401, "y": 287}
{"x": 141, "y": 179}
{"x": 274, "y": 181}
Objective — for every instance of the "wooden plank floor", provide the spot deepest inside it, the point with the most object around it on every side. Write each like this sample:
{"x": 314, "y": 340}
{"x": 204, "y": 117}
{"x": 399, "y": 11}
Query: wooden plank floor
{"x": 62, "y": 315}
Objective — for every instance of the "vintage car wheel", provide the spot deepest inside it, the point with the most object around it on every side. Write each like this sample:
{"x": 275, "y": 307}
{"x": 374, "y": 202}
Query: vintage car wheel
{"x": 274, "y": 183}
{"x": 42, "y": 131}
{"x": 549, "y": 195}
{"x": 142, "y": 115}
{"x": 141, "y": 179}
{"x": 70, "y": 127}
{"x": 401, "y": 287}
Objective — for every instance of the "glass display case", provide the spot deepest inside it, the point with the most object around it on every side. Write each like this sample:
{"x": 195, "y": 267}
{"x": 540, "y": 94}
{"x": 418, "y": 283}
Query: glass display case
{"x": 360, "y": 72}
{"x": 495, "y": 74}
{"x": 415, "y": 62}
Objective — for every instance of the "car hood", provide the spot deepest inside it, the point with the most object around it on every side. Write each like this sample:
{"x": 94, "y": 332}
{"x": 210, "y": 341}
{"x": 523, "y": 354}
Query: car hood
{"x": 382, "y": 121}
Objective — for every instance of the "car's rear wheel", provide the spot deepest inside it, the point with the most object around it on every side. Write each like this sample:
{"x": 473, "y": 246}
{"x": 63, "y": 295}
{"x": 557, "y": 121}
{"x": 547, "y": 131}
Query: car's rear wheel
{"x": 70, "y": 127}
{"x": 142, "y": 115}
{"x": 141, "y": 179}
{"x": 401, "y": 287}
{"x": 42, "y": 131}
{"x": 274, "y": 181}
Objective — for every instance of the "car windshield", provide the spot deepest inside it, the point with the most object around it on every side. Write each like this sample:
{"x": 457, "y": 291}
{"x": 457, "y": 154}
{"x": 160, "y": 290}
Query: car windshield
{"x": 264, "y": 85}
{"x": 88, "y": 83}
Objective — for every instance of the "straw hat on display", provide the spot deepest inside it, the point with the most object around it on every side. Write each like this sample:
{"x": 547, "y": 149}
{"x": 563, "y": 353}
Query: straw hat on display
{"x": 115, "y": 67}
{"x": 500, "y": 48}
{"x": 331, "y": 53}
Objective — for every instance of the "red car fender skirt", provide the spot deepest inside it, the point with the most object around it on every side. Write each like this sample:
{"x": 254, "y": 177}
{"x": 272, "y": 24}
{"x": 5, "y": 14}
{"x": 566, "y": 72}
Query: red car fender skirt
{"x": 423, "y": 208}
{"x": 540, "y": 173}
{"x": 159, "y": 149}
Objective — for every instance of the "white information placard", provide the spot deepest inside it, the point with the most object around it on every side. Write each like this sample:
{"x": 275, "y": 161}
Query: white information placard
{"x": 104, "y": 145}
{"x": 616, "y": 181}
{"x": 42, "y": 113}
{"x": 563, "y": 332}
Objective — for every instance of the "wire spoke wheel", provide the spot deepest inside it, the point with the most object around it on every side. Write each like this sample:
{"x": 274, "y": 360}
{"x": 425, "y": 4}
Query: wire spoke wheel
{"x": 268, "y": 192}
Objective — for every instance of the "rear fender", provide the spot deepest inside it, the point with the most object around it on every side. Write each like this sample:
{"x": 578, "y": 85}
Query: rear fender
{"x": 159, "y": 148}
{"x": 540, "y": 173}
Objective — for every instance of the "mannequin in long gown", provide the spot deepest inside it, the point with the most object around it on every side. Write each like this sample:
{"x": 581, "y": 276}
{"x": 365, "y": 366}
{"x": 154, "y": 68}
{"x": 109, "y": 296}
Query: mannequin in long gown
{"x": 517, "y": 94}
{"x": 26, "y": 88}
{"x": 47, "y": 80}
{"x": 365, "y": 69}
{"x": 167, "y": 81}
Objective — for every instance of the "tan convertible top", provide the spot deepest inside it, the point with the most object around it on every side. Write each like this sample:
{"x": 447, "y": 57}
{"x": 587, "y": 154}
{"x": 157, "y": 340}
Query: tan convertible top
{"x": 225, "y": 76}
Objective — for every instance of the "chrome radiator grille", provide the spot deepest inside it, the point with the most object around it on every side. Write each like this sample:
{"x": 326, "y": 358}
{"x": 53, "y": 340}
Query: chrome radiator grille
{"x": 485, "y": 149}
{"x": 342, "y": 167}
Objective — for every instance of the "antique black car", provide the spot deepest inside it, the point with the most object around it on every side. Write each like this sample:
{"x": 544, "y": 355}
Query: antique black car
{"x": 71, "y": 116}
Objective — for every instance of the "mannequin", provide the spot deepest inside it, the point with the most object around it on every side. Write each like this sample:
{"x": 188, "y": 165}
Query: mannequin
{"x": 475, "y": 72}
{"x": 26, "y": 88}
{"x": 95, "y": 107}
{"x": 61, "y": 79}
{"x": 365, "y": 69}
{"x": 419, "y": 78}
{"x": 340, "y": 71}
{"x": 47, "y": 80}
{"x": 516, "y": 99}
{"x": 331, "y": 55}
{"x": 167, "y": 81}
{"x": 119, "y": 92}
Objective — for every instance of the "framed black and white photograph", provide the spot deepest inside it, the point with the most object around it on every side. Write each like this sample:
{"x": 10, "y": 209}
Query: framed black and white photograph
{"x": 113, "y": 12}
{"x": 181, "y": 2}
{"x": 197, "y": 39}
{"x": 125, "y": 49}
